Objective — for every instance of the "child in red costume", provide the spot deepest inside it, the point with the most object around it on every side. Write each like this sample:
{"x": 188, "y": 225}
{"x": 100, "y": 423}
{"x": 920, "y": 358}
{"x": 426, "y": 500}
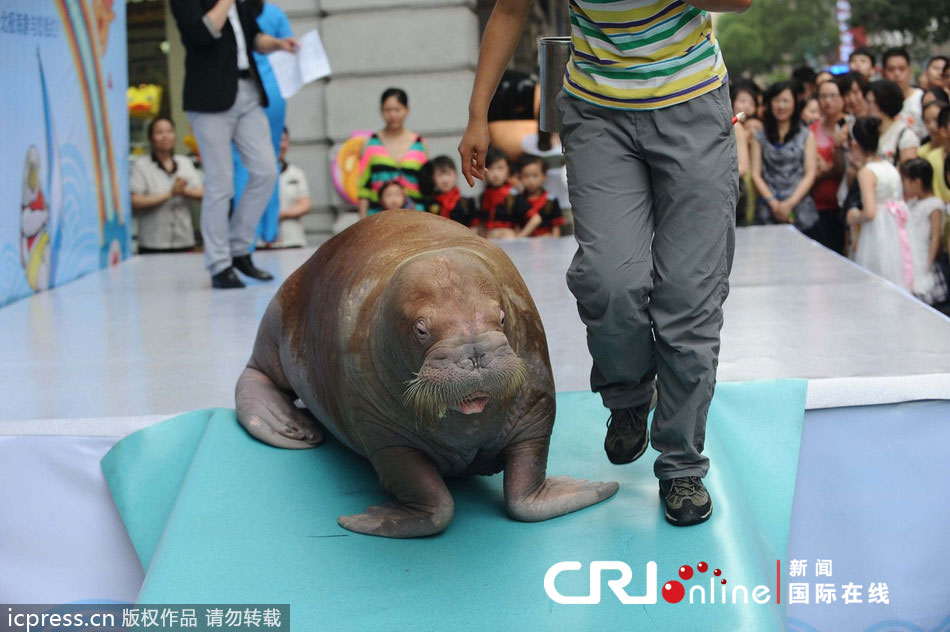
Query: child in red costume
{"x": 500, "y": 208}
{"x": 446, "y": 199}
{"x": 542, "y": 216}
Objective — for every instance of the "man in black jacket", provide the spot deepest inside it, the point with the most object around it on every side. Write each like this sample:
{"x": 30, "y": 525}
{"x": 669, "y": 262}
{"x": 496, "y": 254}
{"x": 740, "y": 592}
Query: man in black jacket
{"x": 224, "y": 99}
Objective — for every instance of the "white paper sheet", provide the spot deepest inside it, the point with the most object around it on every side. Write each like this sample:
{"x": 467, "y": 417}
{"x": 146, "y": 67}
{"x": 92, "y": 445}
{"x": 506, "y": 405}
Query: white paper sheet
{"x": 294, "y": 70}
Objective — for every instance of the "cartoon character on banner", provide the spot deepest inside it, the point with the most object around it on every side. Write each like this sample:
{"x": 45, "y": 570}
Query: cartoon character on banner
{"x": 34, "y": 215}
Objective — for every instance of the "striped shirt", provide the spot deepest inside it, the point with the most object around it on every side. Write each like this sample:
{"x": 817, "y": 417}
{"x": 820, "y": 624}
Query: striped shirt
{"x": 377, "y": 168}
{"x": 641, "y": 54}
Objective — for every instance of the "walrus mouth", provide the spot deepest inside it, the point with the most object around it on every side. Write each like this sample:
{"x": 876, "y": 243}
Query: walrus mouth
{"x": 474, "y": 403}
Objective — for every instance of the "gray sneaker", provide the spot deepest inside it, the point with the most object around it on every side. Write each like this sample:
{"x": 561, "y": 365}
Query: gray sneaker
{"x": 687, "y": 501}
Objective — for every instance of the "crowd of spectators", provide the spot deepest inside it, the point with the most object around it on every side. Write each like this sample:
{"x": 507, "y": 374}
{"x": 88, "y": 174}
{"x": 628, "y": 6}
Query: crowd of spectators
{"x": 856, "y": 161}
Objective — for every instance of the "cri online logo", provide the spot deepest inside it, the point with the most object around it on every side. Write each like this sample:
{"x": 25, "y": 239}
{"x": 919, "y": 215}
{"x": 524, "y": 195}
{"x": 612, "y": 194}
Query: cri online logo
{"x": 673, "y": 591}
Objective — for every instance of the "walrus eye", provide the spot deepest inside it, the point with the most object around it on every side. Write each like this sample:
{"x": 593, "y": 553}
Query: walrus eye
{"x": 422, "y": 332}
{"x": 502, "y": 318}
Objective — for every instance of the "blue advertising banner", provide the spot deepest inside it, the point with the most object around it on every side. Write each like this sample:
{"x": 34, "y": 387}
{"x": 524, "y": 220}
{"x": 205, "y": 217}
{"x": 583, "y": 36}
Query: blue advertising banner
{"x": 64, "y": 190}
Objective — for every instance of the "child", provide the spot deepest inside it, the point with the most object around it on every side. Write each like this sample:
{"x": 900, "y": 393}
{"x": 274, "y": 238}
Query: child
{"x": 500, "y": 208}
{"x": 543, "y": 215}
{"x": 392, "y": 196}
{"x": 924, "y": 228}
{"x": 446, "y": 199}
{"x": 548, "y": 146}
{"x": 880, "y": 242}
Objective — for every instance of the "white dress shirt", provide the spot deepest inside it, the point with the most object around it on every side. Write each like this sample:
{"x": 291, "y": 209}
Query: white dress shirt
{"x": 243, "y": 63}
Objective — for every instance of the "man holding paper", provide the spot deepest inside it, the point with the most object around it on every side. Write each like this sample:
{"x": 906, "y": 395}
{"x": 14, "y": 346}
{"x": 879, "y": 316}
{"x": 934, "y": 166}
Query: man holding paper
{"x": 223, "y": 98}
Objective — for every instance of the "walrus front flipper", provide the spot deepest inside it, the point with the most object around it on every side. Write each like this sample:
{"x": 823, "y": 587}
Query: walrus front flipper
{"x": 530, "y": 496}
{"x": 424, "y": 505}
{"x": 268, "y": 413}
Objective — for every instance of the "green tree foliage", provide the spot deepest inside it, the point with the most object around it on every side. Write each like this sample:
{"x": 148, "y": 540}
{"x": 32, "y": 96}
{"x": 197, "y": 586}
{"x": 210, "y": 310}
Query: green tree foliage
{"x": 922, "y": 20}
{"x": 776, "y": 32}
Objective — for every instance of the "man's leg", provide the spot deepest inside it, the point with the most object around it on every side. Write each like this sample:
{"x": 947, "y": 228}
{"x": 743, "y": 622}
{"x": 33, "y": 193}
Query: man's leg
{"x": 692, "y": 152}
{"x": 252, "y": 139}
{"x": 213, "y": 131}
{"x": 611, "y": 274}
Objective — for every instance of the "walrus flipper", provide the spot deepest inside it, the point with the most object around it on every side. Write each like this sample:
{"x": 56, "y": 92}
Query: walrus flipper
{"x": 269, "y": 414}
{"x": 531, "y": 497}
{"x": 424, "y": 505}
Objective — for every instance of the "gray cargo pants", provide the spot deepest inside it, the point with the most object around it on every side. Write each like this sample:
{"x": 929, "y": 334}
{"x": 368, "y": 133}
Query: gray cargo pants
{"x": 653, "y": 193}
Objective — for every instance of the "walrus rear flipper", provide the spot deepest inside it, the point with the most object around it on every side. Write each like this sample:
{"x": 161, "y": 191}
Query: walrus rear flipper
{"x": 269, "y": 415}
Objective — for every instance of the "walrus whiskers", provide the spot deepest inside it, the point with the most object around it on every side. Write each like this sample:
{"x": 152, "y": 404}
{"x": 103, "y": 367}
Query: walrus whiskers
{"x": 430, "y": 398}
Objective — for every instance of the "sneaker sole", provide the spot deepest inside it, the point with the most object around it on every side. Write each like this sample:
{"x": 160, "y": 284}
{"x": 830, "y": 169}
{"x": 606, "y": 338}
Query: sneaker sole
{"x": 699, "y": 520}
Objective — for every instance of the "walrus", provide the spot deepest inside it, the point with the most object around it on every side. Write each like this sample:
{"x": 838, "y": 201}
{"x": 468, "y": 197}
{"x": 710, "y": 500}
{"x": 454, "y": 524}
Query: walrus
{"x": 416, "y": 344}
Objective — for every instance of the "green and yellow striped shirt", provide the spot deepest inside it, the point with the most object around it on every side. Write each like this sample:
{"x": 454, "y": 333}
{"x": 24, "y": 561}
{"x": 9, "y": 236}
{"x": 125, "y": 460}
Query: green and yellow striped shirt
{"x": 641, "y": 54}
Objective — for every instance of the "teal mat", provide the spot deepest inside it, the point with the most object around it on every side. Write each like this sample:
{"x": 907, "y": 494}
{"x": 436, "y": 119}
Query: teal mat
{"x": 217, "y": 517}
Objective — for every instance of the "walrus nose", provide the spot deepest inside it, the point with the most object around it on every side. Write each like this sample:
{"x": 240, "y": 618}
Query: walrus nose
{"x": 472, "y": 360}
{"x": 478, "y": 352}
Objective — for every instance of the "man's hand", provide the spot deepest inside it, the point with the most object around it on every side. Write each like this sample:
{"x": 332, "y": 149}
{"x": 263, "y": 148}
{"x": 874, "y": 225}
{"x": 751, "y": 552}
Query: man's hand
{"x": 265, "y": 43}
{"x": 289, "y": 44}
{"x": 501, "y": 35}
{"x": 219, "y": 14}
{"x": 472, "y": 150}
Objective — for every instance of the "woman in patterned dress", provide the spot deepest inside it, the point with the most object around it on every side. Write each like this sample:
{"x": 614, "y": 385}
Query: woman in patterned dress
{"x": 393, "y": 153}
{"x": 784, "y": 163}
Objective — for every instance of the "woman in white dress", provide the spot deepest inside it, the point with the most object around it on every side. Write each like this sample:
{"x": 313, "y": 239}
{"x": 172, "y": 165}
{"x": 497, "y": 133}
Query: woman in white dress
{"x": 879, "y": 229}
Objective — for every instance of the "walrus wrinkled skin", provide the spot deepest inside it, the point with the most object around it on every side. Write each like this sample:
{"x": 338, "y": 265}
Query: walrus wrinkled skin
{"x": 416, "y": 344}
